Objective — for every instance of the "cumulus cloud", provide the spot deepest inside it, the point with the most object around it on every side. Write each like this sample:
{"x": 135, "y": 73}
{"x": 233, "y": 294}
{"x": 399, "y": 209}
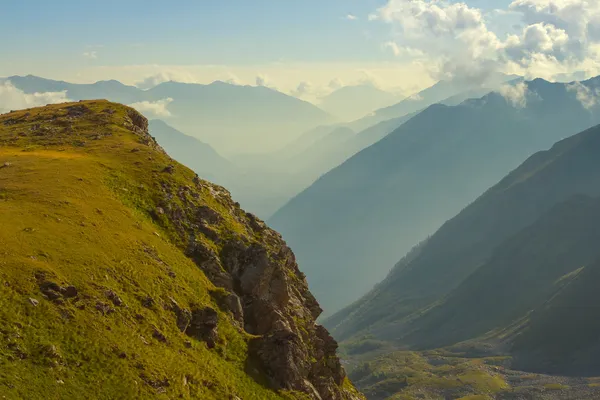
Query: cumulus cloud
{"x": 92, "y": 55}
{"x": 154, "y": 108}
{"x": 588, "y": 97}
{"x": 516, "y": 95}
{"x": 415, "y": 97}
{"x": 335, "y": 84}
{"x": 393, "y": 47}
{"x": 402, "y": 51}
{"x": 351, "y": 17}
{"x": 555, "y": 36}
{"x": 153, "y": 80}
{"x": 12, "y": 98}
{"x": 303, "y": 89}
{"x": 265, "y": 81}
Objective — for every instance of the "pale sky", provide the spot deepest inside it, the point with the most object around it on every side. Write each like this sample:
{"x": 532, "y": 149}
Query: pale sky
{"x": 399, "y": 45}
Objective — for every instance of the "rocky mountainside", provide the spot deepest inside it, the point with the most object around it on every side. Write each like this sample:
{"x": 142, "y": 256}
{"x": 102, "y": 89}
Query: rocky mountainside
{"x": 503, "y": 270}
{"x": 354, "y": 223}
{"x": 126, "y": 275}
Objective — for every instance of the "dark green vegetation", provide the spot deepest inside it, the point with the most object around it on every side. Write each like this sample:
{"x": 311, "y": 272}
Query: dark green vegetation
{"x": 231, "y": 118}
{"x": 444, "y": 374}
{"x": 124, "y": 275}
{"x": 358, "y": 220}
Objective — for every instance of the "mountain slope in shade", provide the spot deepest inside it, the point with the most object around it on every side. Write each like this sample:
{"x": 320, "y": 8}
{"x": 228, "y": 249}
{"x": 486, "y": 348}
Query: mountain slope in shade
{"x": 384, "y": 200}
{"x": 193, "y": 153}
{"x": 499, "y": 258}
{"x": 231, "y": 118}
{"x": 562, "y": 335}
{"x": 352, "y": 102}
{"x": 125, "y": 275}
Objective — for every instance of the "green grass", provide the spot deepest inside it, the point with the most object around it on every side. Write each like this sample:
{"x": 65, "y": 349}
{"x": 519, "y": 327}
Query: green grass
{"x": 556, "y": 386}
{"x": 407, "y": 375}
{"x": 74, "y": 210}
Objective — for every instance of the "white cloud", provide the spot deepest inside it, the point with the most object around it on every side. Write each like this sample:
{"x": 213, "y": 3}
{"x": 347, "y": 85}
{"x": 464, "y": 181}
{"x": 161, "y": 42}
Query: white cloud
{"x": 154, "y": 108}
{"x": 395, "y": 49}
{"x": 351, "y": 17}
{"x": 516, "y": 94}
{"x": 92, "y": 55}
{"x": 153, "y": 80}
{"x": 402, "y": 51}
{"x": 415, "y": 97}
{"x": 304, "y": 88}
{"x": 264, "y": 80}
{"x": 588, "y": 97}
{"x": 12, "y": 98}
{"x": 335, "y": 84}
{"x": 556, "y": 36}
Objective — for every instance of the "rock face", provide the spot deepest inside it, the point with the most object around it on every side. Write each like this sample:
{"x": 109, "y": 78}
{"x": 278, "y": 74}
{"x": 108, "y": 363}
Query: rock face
{"x": 265, "y": 291}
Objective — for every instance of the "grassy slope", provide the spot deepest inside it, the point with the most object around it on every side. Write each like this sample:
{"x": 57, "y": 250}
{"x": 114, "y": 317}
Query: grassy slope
{"x": 67, "y": 216}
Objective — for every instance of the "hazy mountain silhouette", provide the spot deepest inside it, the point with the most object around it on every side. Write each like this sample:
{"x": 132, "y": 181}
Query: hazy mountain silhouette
{"x": 231, "y": 118}
{"x": 195, "y": 154}
{"x": 446, "y": 91}
{"x": 356, "y": 221}
{"x": 352, "y": 102}
{"x": 528, "y": 243}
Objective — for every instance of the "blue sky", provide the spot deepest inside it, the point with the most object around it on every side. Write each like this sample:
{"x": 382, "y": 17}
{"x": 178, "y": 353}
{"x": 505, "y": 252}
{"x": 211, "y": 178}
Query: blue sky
{"x": 286, "y": 41}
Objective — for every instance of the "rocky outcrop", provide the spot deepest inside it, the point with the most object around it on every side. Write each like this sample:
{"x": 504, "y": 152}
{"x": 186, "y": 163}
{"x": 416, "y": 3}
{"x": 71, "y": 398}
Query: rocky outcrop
{"x": 265, "y": 291}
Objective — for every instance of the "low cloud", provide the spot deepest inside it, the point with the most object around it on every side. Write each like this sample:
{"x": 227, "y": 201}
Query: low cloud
{"x": 263, "y": 80}
{"x": 154, "y": 108}
{"x": 588, "y": 97}
{"x": 12, "y": 98}
{"x": 92, "y": 55}
{"x": 303, "y": 89}
{"x": 393, "y": 47}
{"x": 335, "y": 84}
{"x": 515, "y": 95}
{"x": 351, "y": 17}
{"x": 151, "y": 81}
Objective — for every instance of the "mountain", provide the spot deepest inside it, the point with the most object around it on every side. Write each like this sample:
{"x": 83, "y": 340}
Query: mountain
{"x": 513, "y": 273}
{"x": 352, "y": 102}
{"x": 193, "y": 153}
{"x": 113, "y": 90}
{"x": 238, "y": 119}
{"x": 229, "y": 117}
{"x": 356, "y": 221}
{"x": 447, "y": 92}
{"x": 125, "y": 275}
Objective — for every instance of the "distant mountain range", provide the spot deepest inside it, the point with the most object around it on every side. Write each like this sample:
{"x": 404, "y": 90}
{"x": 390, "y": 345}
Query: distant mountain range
{"x": 516, "y": 272}
{"x": 231, "y": 118}
{"x": 195, "y": 154}
{"x": 356, "y": 221}
{"x": 444, "y": 92}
